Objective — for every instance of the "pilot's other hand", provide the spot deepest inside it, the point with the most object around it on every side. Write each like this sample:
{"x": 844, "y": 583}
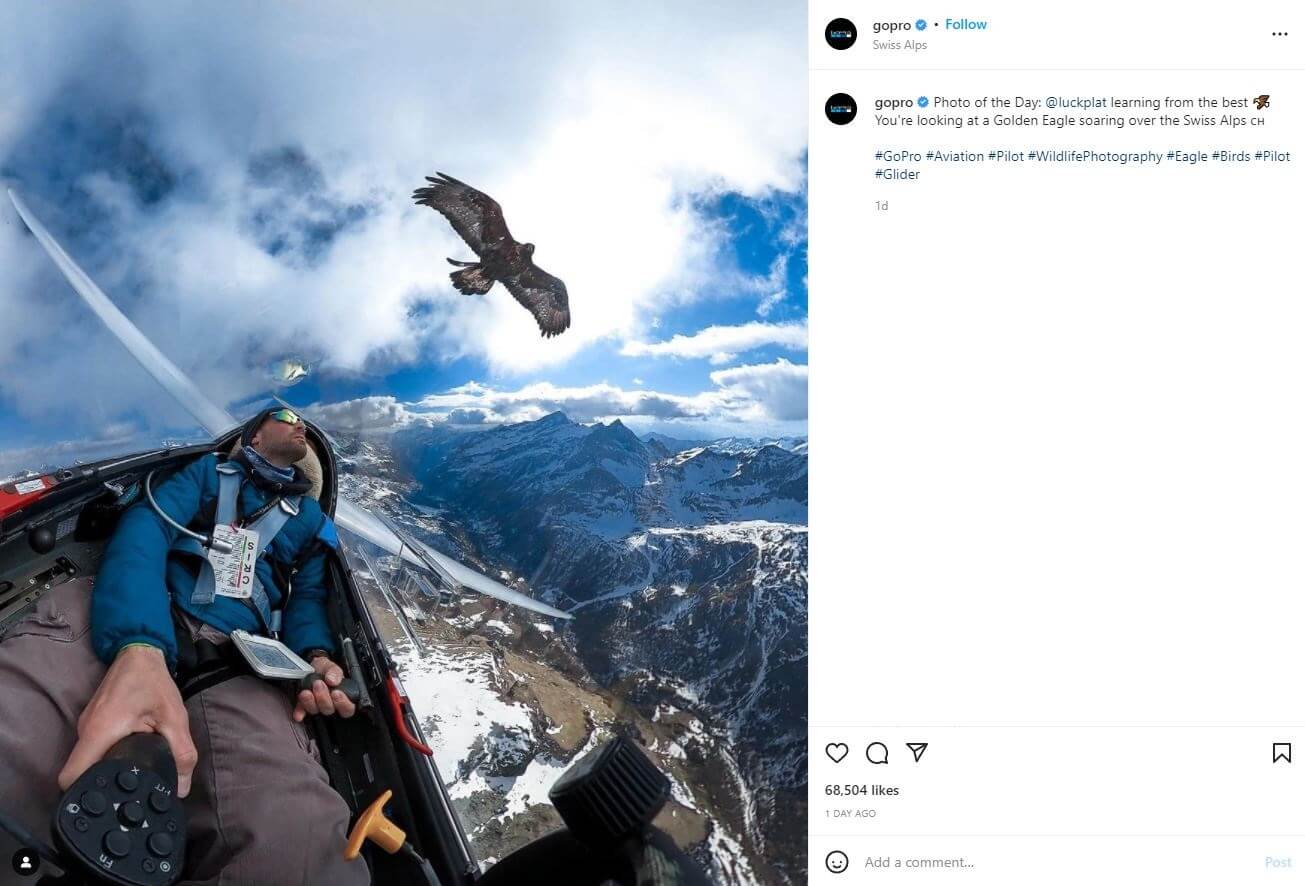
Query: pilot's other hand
{"x": 321, "y": 699}
{"x": 137, "y": 694}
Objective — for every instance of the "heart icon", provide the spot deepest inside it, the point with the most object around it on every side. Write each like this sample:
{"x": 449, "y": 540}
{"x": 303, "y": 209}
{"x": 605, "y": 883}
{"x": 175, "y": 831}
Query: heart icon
{"x": 836, "y": 751}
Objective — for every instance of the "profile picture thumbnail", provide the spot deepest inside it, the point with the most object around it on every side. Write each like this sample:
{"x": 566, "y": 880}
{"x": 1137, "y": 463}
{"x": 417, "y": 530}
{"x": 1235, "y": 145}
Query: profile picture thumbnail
{"x": 840, "y": 33}
{"x": 840, "y": 108}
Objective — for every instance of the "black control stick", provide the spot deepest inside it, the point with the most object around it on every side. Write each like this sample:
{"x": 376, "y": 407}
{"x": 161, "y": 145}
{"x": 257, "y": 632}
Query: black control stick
{"x": 608, "y": 800}
{"x": 348, "y": 685}
{"x": 121, "y": 821}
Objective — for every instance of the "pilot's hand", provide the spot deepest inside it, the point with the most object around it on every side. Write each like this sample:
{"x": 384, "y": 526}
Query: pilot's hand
{"x": 137, "y": 694}
{"x": 321, "y": 700}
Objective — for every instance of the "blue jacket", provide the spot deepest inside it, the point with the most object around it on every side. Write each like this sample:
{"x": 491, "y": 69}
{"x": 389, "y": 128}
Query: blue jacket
{"x": 130, "y": 601}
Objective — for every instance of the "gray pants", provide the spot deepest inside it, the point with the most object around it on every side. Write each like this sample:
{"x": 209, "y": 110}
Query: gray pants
{"x": 260, "y": 810}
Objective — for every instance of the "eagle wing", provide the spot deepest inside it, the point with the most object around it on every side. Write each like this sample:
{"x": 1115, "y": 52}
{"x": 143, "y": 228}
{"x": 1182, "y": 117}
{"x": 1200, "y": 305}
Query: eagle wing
{"x": 475, "y": 215}
{"x": 543, "y": 295}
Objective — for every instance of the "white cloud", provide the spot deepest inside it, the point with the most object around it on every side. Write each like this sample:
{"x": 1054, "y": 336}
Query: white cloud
{"x": 590, "y": 133}
{"x": 721, "y": 344}
{"x": 770, "y": 390}
{"x": 364, "y": 414}
{"x": 764, "y": 397}
{"x": 581, "y": 403}
{"x": 769, "y": 303}
{"x": 774, "y": 286}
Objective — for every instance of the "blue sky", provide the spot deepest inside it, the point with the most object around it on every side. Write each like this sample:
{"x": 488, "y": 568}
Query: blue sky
{"x": 238, "y": 184}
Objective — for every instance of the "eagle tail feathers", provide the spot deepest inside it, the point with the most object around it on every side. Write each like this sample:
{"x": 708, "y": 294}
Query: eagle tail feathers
{"x": 471, "y": 280}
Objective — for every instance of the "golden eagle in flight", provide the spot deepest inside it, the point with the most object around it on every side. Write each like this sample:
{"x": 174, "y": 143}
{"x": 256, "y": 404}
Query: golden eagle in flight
{"x": 479, "y": 221}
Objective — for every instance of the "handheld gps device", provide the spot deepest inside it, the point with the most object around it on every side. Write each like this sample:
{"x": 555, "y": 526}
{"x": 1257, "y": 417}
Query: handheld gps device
{"x": 270, "y": 659}
{"x": 273, "y": 660}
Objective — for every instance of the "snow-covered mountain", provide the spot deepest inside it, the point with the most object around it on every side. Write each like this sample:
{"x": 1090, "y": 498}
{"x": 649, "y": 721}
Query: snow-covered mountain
{"x": 686, "y": 573}
{"x": 667, "y": 445}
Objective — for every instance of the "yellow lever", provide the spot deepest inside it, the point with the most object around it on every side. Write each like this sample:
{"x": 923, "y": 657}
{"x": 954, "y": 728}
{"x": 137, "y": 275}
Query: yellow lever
{"x": 373, "y": 825}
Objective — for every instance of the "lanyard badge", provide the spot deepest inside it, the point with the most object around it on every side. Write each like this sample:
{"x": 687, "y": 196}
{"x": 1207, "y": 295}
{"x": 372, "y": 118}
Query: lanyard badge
{"x": 233, "y": 573}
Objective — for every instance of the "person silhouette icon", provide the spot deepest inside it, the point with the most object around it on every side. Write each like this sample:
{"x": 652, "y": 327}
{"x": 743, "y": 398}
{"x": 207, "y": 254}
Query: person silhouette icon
{"x": 26, "y": 862}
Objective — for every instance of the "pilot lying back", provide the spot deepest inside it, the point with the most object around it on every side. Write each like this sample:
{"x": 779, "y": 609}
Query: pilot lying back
{"x": 89, "y": 666}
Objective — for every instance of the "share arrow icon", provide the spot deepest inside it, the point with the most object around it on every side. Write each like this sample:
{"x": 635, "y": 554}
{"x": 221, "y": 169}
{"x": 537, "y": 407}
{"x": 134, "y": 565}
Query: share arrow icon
{"x": 917, "y": 748}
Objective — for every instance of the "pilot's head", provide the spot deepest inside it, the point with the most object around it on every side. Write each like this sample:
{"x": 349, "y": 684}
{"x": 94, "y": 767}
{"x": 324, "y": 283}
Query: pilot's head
{"x": 278, "y": 435}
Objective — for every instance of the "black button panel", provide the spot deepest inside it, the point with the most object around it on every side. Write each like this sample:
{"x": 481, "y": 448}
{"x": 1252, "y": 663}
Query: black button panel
{"x": 126, "y": 823}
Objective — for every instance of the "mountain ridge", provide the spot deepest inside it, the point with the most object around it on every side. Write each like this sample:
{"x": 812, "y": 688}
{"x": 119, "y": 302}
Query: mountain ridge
{"x": 686, "y": 576}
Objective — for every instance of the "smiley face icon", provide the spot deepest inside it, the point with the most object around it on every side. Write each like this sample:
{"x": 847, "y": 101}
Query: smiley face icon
{"x": 836, "y": 862}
